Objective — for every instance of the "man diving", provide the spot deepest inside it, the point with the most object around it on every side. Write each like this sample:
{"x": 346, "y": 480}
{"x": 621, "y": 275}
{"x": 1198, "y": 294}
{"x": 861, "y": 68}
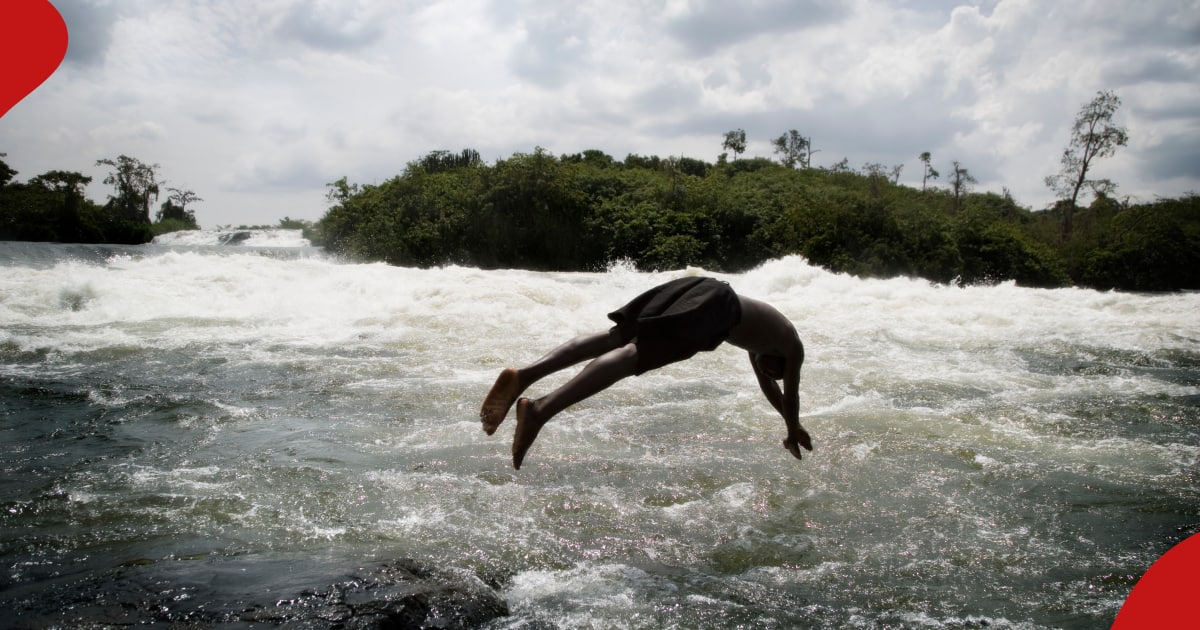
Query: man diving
{"x": 666, "y": 324}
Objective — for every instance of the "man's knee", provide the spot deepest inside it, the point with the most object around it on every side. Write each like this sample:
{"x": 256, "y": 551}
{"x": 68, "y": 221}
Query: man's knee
{"x": 617, "y": 337}
{"x": 627, "y": 356}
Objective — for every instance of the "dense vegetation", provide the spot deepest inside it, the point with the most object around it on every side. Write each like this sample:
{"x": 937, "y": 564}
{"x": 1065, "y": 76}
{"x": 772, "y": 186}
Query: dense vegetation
{"x": 52, "y": 206}
{"x": 583, "y": 211}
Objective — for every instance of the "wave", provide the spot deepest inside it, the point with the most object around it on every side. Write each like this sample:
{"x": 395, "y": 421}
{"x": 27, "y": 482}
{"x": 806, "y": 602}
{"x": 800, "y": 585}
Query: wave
{"x": 271, "y": 237}
{"x": 270, "y": 243}
{"x": 901, "y": 320}
{"x": 39, "y": 255}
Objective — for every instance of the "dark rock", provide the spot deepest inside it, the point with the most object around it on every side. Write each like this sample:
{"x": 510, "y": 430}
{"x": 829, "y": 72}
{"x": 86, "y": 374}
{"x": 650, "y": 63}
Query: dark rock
{"x": 295, "y": 591}
{"x": 234, "y": 238}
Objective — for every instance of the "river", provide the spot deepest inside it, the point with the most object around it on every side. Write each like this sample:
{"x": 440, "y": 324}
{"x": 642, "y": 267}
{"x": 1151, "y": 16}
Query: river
{"x": 985, "y": 456}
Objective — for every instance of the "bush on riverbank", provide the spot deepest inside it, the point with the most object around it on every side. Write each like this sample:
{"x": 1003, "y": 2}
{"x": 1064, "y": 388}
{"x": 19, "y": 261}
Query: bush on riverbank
{"x": 582, "y": 211}
{"x": 52, "y": 207}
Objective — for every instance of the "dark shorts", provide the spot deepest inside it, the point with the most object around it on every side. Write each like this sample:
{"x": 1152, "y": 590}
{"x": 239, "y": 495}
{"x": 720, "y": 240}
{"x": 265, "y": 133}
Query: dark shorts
{"x": 674, "y": 321}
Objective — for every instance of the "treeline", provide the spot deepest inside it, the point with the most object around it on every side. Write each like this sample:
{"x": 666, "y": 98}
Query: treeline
{"x": 586, "y": 210}
{"x": 52, "y": 206}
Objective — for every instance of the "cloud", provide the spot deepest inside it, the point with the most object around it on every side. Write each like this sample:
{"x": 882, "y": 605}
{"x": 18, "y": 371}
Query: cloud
{"x": 127, "y": 132}
{"x": 669, "y": 96}
{"x": 337, "y": 26}
{"x": 554, "y": 48}
{"x": 267, "y": 172}
{"x": 1162, "y": 25}
{"x": 1177, "y": 156}
{"x": 1153, "y": 69}
{"x": 705, "y": 26}
{"x": 89, "y": 28}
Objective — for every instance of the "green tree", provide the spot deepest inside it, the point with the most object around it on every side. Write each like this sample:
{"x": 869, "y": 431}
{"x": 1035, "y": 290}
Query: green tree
{"x": 961, "y": 181}
{"x": 735, "y": 141}
{"x": 174, "y": 214}
{"x": 6, "y": 173}
{"x": 793, "y": 149}
{"x": 127, "y": 212}
{"x": 536, "y": 213}
{"x": 994, "y": 247}
{"x": 441, "y": 161}
{"x": 583, "y": 210}
{"x": 50, "y": 207}
{"x": 928, "y": 173}
{"x": 336, "y": 229}
{"x": 74, "y": 216}
{"x": 62, "y": 182}
{"x": 1151, "y": 247}
{"x": 176, "y": 207}
{"x": 288, "y": 223}
{"x": 135, "y": 183}
{"x": 591, "y": 157}
{"x": 1093, "y": 136}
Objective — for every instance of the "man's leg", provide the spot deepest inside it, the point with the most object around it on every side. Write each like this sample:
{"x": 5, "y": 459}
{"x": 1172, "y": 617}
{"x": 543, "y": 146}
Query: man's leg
{"x": 574, "y": 351}
{"x": 600, "y": 374}
{"x": 512, "y": 381}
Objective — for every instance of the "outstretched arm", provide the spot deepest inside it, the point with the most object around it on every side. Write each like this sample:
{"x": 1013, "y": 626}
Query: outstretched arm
{"x": 766, "y": 383}
{"x": 785, "y": 400}
{"x": 776, "y": 354}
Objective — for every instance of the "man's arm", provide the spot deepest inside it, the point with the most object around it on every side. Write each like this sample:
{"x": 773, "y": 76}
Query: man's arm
{"x": 786, "y": 401}
{"x": 769, "y": 336}
{"x": 769, "y": 387}
{"x": 796, "y": 436}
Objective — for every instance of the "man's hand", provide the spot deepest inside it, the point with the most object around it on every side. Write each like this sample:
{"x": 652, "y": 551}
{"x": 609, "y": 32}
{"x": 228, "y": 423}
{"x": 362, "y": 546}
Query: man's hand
{"x": 793, "y": 444}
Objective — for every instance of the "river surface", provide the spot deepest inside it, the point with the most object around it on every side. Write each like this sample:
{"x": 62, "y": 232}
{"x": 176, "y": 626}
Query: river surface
{"x": 988, "y": 456}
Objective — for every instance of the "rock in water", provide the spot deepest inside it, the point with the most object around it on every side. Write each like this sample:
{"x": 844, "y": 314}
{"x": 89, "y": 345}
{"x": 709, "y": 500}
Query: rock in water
{"x": 235, "y": 238}
{"x": 295, "y": 591}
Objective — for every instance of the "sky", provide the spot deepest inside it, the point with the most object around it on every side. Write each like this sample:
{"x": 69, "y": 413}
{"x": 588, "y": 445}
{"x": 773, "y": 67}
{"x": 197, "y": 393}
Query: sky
{"x": 256, "y": 106}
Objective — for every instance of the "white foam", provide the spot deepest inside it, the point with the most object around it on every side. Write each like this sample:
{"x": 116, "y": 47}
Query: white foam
{"x": 859, "y": 334}
{"x": 568, "y": 595}
{"x": 274, "y": 237}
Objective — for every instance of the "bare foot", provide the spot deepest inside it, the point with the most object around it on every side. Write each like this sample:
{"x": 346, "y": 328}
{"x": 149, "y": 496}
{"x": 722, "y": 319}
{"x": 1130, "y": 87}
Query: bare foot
{"x": 499, "y": 399}
{"x": 528, "y": 425}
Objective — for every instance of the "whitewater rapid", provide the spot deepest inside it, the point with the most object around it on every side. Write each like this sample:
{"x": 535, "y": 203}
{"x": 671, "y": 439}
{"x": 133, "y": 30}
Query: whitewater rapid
{"x": 244, "y": 237}
{"x": 985, "y": 455}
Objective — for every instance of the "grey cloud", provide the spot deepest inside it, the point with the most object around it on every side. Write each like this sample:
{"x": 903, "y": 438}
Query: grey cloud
{"x": 751, "y": 73}
{"x": 553, "y": 50}
{"x": 1157, "y": 69}
{"x": 668, "y": 97}
{"x": 715, "y": 24}
{"x": 1174, "y": 111}
{"x": 297, "y": 173}
{"x": 888, "y": 132}
{"x": 944, "y": 7}
{"x": 1165, "y": 24}
{"x": 330, "y": 29}
{"x": 89, "y": 30}
{"x": 1177, "y": 156}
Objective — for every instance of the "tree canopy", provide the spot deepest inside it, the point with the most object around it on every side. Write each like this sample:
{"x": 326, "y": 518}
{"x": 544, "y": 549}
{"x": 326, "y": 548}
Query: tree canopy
{"x": 586, "y": 210}
{"x": 52, "y": 206}
{"x": 1093, "y": 136}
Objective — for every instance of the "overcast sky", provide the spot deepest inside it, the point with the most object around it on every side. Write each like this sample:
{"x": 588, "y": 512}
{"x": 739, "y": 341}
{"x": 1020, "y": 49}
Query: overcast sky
{"x": 255, "y": 106}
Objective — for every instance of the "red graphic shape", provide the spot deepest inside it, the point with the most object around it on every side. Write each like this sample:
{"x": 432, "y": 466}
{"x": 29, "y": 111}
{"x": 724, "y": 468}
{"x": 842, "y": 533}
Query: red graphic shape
{"x": 1168, "y": 595}
{"x": 33, "y": 41}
